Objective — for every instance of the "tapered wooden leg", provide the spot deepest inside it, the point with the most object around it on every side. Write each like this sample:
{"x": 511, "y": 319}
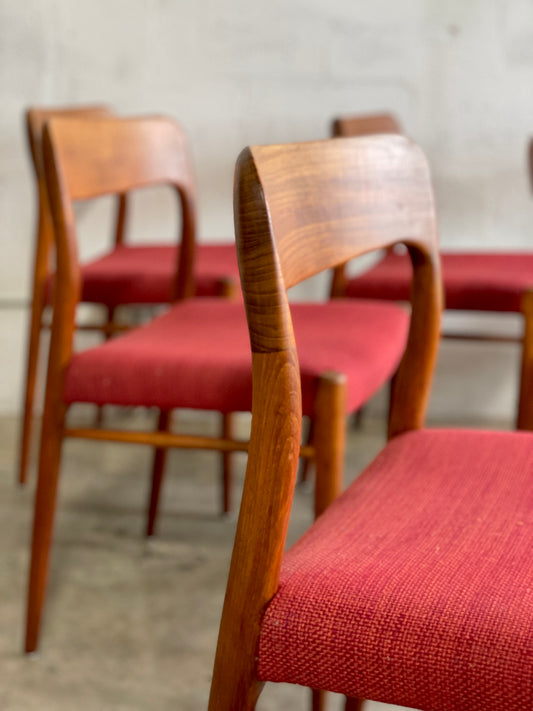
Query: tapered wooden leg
{"x": 227, "y": 472}
{"x": 305, "y": 463}
{"x": 108, "y": 330}
{"x": 228, "y": 288}
{"x": 45, "y": 504}
{"x": 358, "y": 418}
{"x": 329, "y": 438}
{"x": 34, "y": 338}
{"x": 392, "y": 383}
{"x": 353, "y": 704}
{"x": 158, "y": 469}
{"x": 524, "y": 420}
{"x": 318, "y": 700}
{"x": 329, "y": 441}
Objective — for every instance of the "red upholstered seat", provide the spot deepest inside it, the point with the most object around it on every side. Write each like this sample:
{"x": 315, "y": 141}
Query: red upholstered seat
{"x": 416, "y": 585}
{"x": 472, "y": 281}
{"x": 144, "y": 274}
{"x": 198, "y": 355}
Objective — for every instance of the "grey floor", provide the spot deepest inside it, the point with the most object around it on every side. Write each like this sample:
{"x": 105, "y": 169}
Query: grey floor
{"x": 129, "y": 623}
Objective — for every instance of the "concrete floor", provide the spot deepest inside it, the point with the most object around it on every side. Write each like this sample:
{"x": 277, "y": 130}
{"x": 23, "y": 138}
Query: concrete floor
{"x": 129, "y": 623}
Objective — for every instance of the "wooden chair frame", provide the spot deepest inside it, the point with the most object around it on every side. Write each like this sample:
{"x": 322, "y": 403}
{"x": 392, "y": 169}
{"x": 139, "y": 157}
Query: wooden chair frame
{"x": 356, "y": 125}
{"x": 301, "y": 209}
{"x": 349, "y": 126}
{"x": 144, "y": 152}
{"x": 35, "y": 119}
{"x": 44, "y": 269}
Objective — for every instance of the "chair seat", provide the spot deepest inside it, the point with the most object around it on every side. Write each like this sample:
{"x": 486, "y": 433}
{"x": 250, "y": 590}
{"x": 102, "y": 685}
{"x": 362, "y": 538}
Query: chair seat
{"x": 416, "y": 586}
{"x": 144, "y": 274}
{"x": 472, "y": 281}
{"x": 210, "y": 367}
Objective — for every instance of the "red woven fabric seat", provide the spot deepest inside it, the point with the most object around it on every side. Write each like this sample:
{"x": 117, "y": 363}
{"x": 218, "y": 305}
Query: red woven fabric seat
{"x": 198, "y": 355}
{"x": 416, "y": 585}
{"x": 144, "y": 274}
{"x": 472, "y": 281}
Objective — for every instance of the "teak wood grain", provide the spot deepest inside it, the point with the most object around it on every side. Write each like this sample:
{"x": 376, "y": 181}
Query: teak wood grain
{"x": 35, "y": 119}
{"x": 352, "y": 126}
{"x": 149, "y": 151}
{"x": 139, "y": 152}
{"x": 301, "y": 209}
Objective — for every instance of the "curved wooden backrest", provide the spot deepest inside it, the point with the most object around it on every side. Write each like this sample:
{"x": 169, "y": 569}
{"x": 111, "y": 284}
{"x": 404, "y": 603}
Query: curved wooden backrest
{"x": 36, "y": 118}
{"x": 305, "y": 208}
{"x": 365, "y": 125}
{"x": 105, "y": 155}
{"x": 301, "y": 209}
{"x": 90, "y": 157}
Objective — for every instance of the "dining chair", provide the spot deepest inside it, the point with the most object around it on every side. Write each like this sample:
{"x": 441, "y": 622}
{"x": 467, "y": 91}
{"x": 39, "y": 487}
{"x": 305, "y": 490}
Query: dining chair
{"x": 415, "y": 585}
{"x": 196, "y": 355}
{"x": 488, "y": 281}
{"x": 128, "y": 274}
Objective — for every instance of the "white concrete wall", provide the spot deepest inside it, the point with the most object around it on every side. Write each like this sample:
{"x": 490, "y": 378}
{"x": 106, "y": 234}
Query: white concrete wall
{"x": 458, "y": 74}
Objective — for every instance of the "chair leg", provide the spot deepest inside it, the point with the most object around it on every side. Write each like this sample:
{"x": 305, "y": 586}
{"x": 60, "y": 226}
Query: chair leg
{"x": 227, "y": 472}
{"x": 108, "y": 330}
{"x": 318, "y": 700}
{"x": 229, "y": 694}
{"x": 305, "y": 463}
{"x": 29, "y": 395}
{"x": 329, "y": 424}
{"x": 358, "y": 418}
{"x": 158, "y": 468}
{"x": 353, "y": 704}
{"x": 525, "y": 403}
{"x": 45, "y": 504}
{"x": 329, "y": 439}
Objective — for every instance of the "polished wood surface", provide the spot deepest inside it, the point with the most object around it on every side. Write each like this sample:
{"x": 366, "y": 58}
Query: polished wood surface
{"x": 524, "y": 419}
{"x": 149, "y": 151}
{"x": 42, "y": 267}
{"x": 301, "y": 209}
{"x": 365, "y": 125}
{"x": 77, "y": 153}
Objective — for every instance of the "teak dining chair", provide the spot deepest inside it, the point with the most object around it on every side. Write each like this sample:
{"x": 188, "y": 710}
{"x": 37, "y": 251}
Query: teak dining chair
{"x": 197, "y": 354}
{"x": 415, "y": 586}
{"x": 129, "y": 274}
{"x": 496, "y": 281}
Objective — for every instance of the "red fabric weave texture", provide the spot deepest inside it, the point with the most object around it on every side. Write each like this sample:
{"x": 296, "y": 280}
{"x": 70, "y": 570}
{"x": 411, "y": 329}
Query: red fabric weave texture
{"x": 472, "y": 281}
{"x": 145, "y": 274}
{"x": 416, "y": 586}
{"x": 197, "y": 355}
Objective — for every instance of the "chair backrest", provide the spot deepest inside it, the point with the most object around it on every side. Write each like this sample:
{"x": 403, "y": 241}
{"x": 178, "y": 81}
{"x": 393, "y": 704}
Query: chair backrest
{"x": 349, "y": 127}
{"x": 301, "y": 209}
{"x": 364, "y": 125}
{"x": 35, "y": 119}
{"x": 305, "y": 208}
{"x": 89, "y": 157}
